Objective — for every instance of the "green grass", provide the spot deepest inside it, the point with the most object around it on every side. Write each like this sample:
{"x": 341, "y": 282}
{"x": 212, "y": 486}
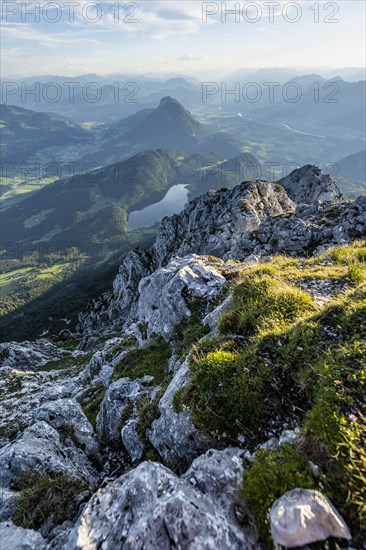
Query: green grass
{"x": 148, "y": 411}
{"x": 33, "y": 277}
{"x": 280, "y": 359}
{"x": 21, "y": 190}
{"x": 263, "y": 301}
{"x": 90, "y": 401}
{"x": 37, "y": 218}
{"x": 46, "y": 497}
{"x": 274, "y": 472}
{"x": 9, "y": 281}
{"x": 150, "y": 360}
{"x": 188, "y": 333}
{"x": 64, "y": 363}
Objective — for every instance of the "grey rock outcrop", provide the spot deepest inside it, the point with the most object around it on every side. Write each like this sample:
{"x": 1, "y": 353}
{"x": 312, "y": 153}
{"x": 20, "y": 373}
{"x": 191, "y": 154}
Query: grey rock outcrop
{"x": 17, "y": 538}
{"x": 40, "y": 450}
{"x": 150, "y": 508}
{"x": 131, "y": 440}
{"x": 138, "y": 264}
{"x": 218, "y": 474}
{"x": 212, "y": 318}
{"x": 308, "y": 185}
{"x": 59, "y": 535}
{"x": 253, "y": 219}
{"x": 29, "y": 355}
{"x": 22, "y": 392}
{"x": 173, "y": 434}
{"x": 165, "y": 296}
{"x": 110, "y": 354}
{"x": 308, "y": 229}
{"x": 113, "y": 310}
{"x": 212, "y": 223}
{"x": 119, "y": 396}
{"x": 95, "y": 365}
{"x": 7, "y": 499}
{"x": 67, "y": 417}
{"x": 303, "y": 516}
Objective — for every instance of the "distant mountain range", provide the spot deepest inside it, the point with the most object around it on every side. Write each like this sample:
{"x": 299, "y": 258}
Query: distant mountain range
{"x": 351, "y": 174}
{"x": 117, "y": 96}
{"x": 94, "y": 206}
{"x": 25, "y": 132}
{"x": 124, "y": 94}
{"x": 141, "y": 157}
{"x": 321, "y": 104}
{"x": 283, "y": 74}
{"x": 353, "y": 166}
{"x": 170, "y": 125}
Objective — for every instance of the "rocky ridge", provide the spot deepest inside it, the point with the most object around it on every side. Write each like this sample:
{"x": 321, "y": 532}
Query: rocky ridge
{"x": 123, "y": 421}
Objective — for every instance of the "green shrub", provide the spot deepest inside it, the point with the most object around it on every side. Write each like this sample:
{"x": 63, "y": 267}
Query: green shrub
{"x": 334, "y": 431}
{"x": 179, "y": 400}
{"x": 356, "y": 273}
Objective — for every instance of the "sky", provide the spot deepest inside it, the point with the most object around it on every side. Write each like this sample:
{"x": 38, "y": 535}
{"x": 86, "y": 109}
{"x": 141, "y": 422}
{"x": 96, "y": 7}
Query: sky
{"x": 70, "y": 38}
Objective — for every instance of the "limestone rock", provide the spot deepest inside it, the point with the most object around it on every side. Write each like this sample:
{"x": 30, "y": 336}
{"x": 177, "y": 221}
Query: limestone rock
{"x": 7, "y": 498}
{"x": 150, "y": 508}
{"x": 40, "y": 450}
{"x": 22, "y": 392}
{"x": 131, "y": 440}
{"x": 173, "y": 434}
{"x": 213, "y": 317}
{"x": 68, "y": 418}
{"x": 94, "y": 367}
{"x": 212, "y": 223}
{"x": 288, "y": 436}
{"x": 309, "y": 185}
{"x": 17, "y": 538}
{"x": 303, "y": 516}
{"x": 58, "y": 536}
{"x": 29, "y": 355}
{"x": 313, "y": 228}
{"x": 118, "y": 397}
{"x": 112, "y": 310}
{"x": 165, "y": 296}
{"x": 218, "y": 474}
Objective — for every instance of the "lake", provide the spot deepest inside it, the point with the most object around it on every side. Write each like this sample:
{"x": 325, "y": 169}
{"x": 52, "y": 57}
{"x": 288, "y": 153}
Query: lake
{"x": 172, "y": 203}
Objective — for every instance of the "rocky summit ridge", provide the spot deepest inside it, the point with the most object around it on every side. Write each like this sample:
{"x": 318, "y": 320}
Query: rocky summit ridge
{"x": 133, "y": 433}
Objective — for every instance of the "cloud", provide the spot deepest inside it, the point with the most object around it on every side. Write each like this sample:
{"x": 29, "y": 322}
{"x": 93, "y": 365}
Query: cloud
{"x": 189, "y": 57}
{"x": 175, "y": 15}
{"x": 25, "y": 33}
{"x": 153, "y": 19}
{"x": 268, "y": 31}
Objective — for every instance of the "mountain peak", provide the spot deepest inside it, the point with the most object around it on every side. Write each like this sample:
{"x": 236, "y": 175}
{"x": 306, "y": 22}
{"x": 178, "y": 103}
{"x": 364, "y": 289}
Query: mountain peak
{"x": 167, "y": 100}
{"x": 309, "y": 185}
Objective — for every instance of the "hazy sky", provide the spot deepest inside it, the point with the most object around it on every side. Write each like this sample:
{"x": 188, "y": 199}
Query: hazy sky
{"x": 74, "y": 37}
